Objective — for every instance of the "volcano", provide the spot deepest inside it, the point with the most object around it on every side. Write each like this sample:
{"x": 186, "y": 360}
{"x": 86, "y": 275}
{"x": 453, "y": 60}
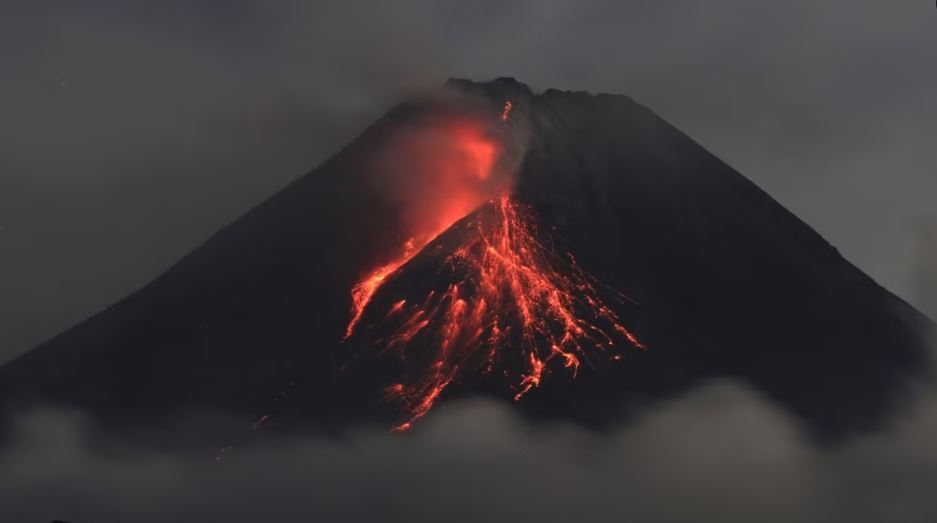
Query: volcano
{"x": 572, "y": 253}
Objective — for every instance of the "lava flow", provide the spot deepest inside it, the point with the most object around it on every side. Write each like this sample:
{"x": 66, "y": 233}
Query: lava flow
{"x": 362, "y": 292}
{"x": 511, "y": 303}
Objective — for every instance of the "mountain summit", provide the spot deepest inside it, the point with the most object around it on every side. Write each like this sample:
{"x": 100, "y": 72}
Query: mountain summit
{"x": 570, "y": 251}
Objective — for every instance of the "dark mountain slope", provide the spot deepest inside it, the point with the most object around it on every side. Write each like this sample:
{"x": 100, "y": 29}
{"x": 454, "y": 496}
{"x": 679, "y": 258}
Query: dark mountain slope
{"x": 729, "y": 284}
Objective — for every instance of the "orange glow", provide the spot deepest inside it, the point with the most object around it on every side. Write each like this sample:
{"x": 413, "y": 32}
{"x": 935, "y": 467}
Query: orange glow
{"x": 480, "y": 151}
{"x": 455, "y": 163}
{"x": 514, "y": 294}
{"x": 515, "y": 305}
{"x": 362, "y": 292}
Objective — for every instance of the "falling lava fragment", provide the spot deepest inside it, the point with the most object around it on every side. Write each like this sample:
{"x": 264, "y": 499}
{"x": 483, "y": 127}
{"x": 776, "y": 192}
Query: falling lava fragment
{"x": 506, "y": 112}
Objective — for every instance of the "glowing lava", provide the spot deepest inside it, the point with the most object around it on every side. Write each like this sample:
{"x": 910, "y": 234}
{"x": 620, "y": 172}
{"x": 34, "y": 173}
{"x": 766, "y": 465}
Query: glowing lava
{"x": 515, "y": 306}
{"x": 457, "y": 161}
{"x": 362, "y": 292}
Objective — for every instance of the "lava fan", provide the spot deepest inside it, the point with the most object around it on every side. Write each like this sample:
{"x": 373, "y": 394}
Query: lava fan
{"x": 503, "y": 302}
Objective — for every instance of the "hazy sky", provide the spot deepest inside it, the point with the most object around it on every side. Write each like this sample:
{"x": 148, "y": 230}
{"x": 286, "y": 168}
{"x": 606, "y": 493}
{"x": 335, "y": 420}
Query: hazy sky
{"x": 132, "y": 130}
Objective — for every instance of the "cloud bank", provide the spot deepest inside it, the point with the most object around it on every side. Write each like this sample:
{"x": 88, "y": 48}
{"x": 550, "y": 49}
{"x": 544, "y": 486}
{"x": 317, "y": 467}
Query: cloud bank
{"x": 719, "y": 454}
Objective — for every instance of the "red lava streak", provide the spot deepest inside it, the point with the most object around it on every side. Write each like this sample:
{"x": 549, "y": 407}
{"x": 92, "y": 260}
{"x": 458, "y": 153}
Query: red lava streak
{"x": 362, "y": 292}
{"x": 459, "y": 163}
{"x": 513, "y": 305}
{"x": 516, "y": 304}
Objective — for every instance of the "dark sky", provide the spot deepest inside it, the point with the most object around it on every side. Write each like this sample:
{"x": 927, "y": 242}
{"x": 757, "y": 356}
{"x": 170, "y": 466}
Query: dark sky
{"x": 132, "y": 130}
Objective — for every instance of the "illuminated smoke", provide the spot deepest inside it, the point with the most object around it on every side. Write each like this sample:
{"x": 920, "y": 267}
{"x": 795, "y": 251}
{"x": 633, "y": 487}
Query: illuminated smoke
{"x": 439, "y": 174}
{"x": 514, "y": 305}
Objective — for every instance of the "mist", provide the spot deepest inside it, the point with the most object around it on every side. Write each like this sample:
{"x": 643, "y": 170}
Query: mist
{"x": 719, "y": 453}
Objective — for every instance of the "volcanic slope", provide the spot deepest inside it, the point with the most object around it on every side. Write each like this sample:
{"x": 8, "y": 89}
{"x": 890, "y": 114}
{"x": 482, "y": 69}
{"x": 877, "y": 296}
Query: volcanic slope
{"x": 711, "y": 276}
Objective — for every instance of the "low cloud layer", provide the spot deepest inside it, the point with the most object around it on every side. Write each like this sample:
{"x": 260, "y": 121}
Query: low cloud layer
{"x": 719, "y": 454}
